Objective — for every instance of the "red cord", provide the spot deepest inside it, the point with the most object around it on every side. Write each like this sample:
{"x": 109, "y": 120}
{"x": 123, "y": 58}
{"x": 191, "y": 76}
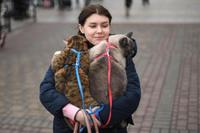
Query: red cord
{"x": 106, "y": 53}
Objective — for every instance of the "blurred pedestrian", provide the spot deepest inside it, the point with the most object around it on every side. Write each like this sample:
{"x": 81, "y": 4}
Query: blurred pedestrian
{"x": 87, "y": 2}
{"x": 20, "y": 9}
{"x": 145, "y": 2}
{"x": 2, "y": 33}
{"x": 62, "y": 4}
{"x": 0, "y": 16}
{"x": 48, "y": 3}
{"x": 78, "y": 3}
{"x": 128, "y": 4}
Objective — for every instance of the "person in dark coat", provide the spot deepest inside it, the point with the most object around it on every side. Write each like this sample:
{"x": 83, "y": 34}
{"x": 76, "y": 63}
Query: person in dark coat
{"x": 62, "y": 4}
{"x": 145, "y": 2}
{"x": 94, "y": 25}
{"x": 3, "y": 34}
{"x": 128, "y": 4}
{"x": 20, "y": 9}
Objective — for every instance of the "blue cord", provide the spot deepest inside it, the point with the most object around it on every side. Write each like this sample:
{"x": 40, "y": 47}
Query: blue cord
{"x": 77, "y": 65}
{"x": 96, "y": 112}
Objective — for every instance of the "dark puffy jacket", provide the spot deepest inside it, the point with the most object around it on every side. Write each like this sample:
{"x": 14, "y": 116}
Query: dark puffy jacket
{"x": 123, "y": 107}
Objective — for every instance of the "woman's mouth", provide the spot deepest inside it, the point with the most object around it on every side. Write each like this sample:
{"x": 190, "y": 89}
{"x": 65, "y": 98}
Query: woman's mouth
{"x": 99, "y": 38}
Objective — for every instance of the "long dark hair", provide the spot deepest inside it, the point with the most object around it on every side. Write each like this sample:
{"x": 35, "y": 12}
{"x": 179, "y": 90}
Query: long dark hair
{"x": 92, "y": 9}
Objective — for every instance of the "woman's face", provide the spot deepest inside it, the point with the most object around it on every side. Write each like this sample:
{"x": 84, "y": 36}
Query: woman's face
{"x": 96, "y": 28}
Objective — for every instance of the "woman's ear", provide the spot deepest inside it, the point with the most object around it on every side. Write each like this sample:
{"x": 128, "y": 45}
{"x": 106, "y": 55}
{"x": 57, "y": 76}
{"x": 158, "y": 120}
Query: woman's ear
{"x": 81, "y": 28}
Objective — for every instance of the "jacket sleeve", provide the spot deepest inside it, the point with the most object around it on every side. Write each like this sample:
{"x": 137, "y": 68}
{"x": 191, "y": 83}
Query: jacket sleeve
{"x": 50, "y": 98}
{"x": 126, "y": 105}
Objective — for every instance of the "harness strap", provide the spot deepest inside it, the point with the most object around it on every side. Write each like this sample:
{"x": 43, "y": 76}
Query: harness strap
{"x": 77, "y": 65}
{"x": 107, "y": 54}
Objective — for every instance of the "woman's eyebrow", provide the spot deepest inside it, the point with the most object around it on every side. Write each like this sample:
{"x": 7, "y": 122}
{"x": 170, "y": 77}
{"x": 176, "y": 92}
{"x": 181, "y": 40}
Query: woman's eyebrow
{"x": 93, "y": 23}
{"x": 105, "y": 22}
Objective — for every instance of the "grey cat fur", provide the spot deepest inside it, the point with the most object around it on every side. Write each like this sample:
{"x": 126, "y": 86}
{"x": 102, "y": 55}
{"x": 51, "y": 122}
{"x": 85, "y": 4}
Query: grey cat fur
{"x": 98, "y": 67}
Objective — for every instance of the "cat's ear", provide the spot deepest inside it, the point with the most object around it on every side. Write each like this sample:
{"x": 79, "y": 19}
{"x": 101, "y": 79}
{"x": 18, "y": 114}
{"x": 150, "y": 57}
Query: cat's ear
{"x": 65, "y": 42}
{"x": 129, "y": 34}
{"x": 68, "y": 42}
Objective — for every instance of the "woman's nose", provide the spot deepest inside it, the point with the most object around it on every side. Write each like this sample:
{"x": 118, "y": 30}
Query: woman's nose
{"x": 99, "y": 29}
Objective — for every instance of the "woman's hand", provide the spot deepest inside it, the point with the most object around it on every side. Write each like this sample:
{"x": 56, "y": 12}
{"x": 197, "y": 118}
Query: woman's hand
{"x": 80, "y": 117}
{"x": 94, "y": 115}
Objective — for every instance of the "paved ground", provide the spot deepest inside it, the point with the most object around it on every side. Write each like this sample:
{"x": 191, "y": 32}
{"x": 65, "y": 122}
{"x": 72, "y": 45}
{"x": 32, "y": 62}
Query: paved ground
{"x": 167, "y": 62}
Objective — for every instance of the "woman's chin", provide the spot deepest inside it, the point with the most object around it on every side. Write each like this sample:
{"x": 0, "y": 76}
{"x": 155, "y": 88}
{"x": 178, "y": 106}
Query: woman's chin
{"x": 98, "y": 41}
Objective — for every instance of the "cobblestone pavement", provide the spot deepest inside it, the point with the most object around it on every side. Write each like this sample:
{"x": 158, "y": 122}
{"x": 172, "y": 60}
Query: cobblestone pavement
{"x": 168, "y": 64}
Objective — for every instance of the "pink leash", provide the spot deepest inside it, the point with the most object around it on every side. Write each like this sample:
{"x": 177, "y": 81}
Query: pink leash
{"x": 107, "y": 54}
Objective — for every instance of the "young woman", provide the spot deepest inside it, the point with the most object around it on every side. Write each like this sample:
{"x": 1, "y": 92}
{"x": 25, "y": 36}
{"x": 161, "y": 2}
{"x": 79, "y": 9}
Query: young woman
{"x": 94, "y": 24}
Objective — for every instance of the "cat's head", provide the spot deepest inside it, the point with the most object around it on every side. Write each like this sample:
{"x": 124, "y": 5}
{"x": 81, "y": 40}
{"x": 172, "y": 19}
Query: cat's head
{"x": 126, "y": 43}
{"x": 76, "y": 42}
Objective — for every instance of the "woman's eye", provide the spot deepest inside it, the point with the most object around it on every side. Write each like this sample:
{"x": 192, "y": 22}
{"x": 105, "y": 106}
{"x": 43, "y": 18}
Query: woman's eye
{"x": 92, "y": 26}
{"x": 105, "y": 26}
